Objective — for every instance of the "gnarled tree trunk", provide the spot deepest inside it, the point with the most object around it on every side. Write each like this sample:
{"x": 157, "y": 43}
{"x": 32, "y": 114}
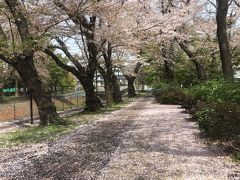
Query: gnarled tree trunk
{"x": 168, "y": 72}
{"x": 23, "y": 62}
{"x": 131, "y": 87}
{"x": 131, "y": 78}
{"x": 117, "y": 95}
{"x": 85, "y": 73}
{"x": 92, "y": 101}
{"x": 112, "y": 89}
{"x": 108, "y": 91}
{"x": 199, "y": 69}
{"x": 192, "y": 56}
{"x": 39, "y": 91}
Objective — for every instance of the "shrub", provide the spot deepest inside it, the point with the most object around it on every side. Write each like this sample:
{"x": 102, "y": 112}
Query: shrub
{"x": 204, "y": 117}
{"x": 220, "y": 120}
{"x": 216, "y": 91}
{"x": 168, "y": 93}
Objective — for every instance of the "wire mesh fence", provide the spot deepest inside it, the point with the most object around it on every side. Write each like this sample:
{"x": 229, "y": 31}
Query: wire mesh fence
{"x": 69, "y": 101}
{"x": 17, "y": 108}
{"x": 13, "y": 108}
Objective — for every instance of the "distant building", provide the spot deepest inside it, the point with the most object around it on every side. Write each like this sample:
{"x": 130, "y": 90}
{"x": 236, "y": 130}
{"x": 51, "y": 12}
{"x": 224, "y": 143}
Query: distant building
{"x": 237, "y": 75}
{"x": 99, "y": 81}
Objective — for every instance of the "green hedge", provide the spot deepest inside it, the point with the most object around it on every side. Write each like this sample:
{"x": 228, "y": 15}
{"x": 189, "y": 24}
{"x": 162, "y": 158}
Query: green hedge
{"x": 168, "y": 93}
{"x": 219, "y": 120}
{"x": 216, "y": 91}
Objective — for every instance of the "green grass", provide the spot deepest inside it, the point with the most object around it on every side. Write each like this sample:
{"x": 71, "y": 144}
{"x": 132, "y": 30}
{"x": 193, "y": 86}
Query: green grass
{"x": 34, "y": 134}
{"x": 143, "y": 94}
{"x": 236, "y": 156}
{"x": 39, "y": 134}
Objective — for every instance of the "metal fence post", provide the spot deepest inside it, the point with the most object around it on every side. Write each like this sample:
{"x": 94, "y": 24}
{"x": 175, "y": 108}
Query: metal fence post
{"x": 14, "y": 110}
{"x": 83, "y": 100}
{"x": 77, "y": 100}
{"x": 31, "y": 108}
{"x": 96, "y": 83}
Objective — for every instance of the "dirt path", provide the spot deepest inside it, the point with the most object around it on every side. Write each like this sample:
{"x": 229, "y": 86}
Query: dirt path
{"x": 143, "y": 141}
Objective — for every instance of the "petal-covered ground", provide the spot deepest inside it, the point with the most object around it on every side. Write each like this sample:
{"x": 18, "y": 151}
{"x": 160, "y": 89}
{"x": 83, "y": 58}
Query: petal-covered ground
{"x": 145, "y": 140}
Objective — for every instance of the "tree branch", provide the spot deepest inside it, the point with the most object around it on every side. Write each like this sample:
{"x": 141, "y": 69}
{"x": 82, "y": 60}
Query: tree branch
{"x": 20, "y": 20}
{"x": 137, "y": 67}
{"x": 186, "y": 50}
{"x": 6, "y": 60}
{"x": 69, "y": 55}
{"x": 60, "y": 63}
{"x": 101, "y": 69}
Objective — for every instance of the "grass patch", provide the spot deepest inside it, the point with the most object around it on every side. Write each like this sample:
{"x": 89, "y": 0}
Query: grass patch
{"x": 34, "y": 134}
{"x": 116, "y": 107}
{"x": 143, "y": 94}
{"x": 236, "y": 157}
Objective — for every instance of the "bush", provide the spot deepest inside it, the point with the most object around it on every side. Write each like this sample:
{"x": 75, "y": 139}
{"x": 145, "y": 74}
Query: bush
{"x": 220, "y": 120}
{"x": 168, "y": 93}
{"x": 204, "y": 117}
{"x": 216, "y": 91}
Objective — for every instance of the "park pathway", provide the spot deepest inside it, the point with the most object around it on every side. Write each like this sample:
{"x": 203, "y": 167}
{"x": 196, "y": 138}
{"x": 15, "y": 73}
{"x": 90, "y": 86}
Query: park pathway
{"x": 145, "y": 140}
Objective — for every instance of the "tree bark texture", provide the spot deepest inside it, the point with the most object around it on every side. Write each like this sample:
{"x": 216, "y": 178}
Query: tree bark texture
{"x": 117, "y": 95}
{"x": 222, "y": 11}
{"x": 23, "y": 62}
{"x": 112, "y": 89}
{"x": 192, "y": 56}
{"x": 131, "y": 87}
{"x": 39, "y": 91}
{"x": 92, "y": 101}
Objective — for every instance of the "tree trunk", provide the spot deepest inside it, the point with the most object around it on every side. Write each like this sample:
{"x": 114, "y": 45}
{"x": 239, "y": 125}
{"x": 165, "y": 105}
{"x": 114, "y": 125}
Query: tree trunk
{"x": 92, "y": 101}
{"x": 199, "y": 69}
{"x": 46, "y": 108}
{"x": 131, "y": 87}
{"x": 117, "y": 95}
{"x": 107, "y": 86}
{"x": 112, "y": 89}
{"x": 222, "y": 10}
{"x": 1, "y": 82}
{"x": 143, "y": 87}
{"x": 110, "y": 77}
{"x": 108, "y": 92}
{"x": 40, "y": 92}
{"x": 192, "y": 56}
{"x": 168, "y": 72}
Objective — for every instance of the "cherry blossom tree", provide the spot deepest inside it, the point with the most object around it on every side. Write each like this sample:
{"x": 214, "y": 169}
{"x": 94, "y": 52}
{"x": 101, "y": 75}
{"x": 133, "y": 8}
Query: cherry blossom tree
{"x": 19, "y": 38}
{"x": 106, "y": 69}
{"x": 81, "y": 27}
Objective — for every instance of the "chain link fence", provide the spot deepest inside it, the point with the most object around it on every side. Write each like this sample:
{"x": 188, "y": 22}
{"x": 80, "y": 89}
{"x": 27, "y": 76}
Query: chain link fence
{"x": 19, "y": 108}
{"x": 14, "y": 108}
